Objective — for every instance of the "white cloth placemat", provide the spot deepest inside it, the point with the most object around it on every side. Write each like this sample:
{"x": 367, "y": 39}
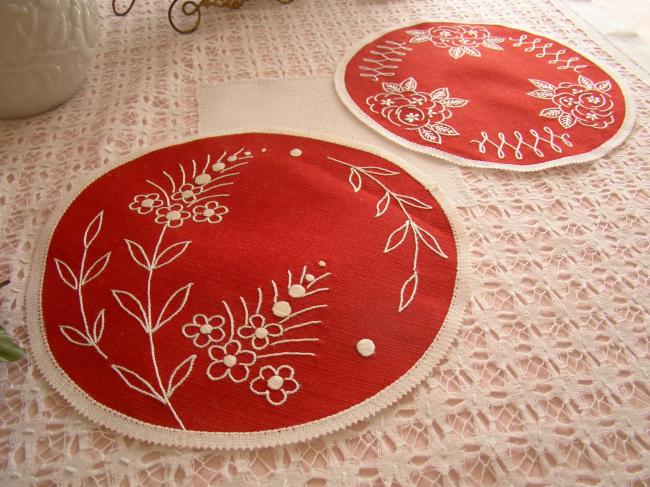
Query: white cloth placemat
{"x": 311, "y": 105}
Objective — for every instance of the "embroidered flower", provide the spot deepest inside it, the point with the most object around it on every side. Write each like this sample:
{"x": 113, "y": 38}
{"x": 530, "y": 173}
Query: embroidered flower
{"x": 275, "y": 383}
{"x": 187, "y": 193}
{"x": 230, "y": 360}
{"x": 204, "y": 330}
{"x": 211, "y": 212}
{"x": 459, "y": 39}
{"x": 405, "y": 107}
{"x": 587, "y": 103}
{"x": 173, "y": 215}
{"x": 259, "y": 331}
{"x": 145, "y": 203}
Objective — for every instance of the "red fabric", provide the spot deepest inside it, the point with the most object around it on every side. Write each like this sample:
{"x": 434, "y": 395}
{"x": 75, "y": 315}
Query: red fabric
{"x": 495, "y": 70}
{"x": 283, "y": 212}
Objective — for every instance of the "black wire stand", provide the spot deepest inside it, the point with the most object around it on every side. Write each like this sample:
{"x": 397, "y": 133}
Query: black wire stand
{"x": 188, "y": 8}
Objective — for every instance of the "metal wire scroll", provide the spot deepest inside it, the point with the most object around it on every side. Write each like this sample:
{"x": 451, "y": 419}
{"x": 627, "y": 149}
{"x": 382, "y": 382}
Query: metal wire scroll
{"x": 188, "y": 8}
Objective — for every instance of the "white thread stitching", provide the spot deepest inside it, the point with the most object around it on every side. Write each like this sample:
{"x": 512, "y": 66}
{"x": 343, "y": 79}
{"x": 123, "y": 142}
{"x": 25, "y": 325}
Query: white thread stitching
{"x": 398, "y": 236}
{"x": 544, "y": 51}
{"x": 502, "y": 143}
{"x": 387, "y": 53}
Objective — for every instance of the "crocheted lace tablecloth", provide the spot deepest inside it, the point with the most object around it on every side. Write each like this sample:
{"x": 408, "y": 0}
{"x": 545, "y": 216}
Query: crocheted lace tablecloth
{"x": 547, "y": 383}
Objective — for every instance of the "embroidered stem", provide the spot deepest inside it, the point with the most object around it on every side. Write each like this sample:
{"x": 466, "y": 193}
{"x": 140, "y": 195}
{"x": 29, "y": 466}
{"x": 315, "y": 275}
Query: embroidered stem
{"x": 150, "y": 330}
{"x": 82, "y": 306}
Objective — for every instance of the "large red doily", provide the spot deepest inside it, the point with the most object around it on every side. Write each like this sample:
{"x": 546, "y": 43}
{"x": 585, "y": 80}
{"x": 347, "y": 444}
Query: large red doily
{"x": 245, "y": 290}
{"x": 485, "y": 95}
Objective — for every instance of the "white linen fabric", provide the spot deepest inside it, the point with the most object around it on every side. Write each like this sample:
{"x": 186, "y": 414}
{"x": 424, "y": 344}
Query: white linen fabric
{"x": 548, "y": 381}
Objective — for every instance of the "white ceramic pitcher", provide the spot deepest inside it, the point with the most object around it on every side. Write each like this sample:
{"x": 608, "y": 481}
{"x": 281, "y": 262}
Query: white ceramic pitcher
{"x": 46, "y": 46}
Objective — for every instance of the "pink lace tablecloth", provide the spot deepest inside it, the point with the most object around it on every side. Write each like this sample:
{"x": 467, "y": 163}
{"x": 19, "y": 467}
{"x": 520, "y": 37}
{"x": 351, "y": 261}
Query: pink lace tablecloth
{"x": 548, "y": 382}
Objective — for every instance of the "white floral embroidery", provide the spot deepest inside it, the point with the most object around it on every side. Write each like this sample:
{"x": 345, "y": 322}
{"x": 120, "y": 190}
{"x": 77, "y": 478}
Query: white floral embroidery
{"x": 230, "y": 361}
{"x": 257, "y": 338}
{"x": 211, "y": 212}
{"x": 586, "y": 102}
{"x": 423, "y": 112}
{"x": 204, "y": 330}
{"x": 145, "y": 203}
{"x": 259, "y": 331}
{"x": 458, "y": 39}
{"x": 173, "y": 206}
{"x": 276, "y": 384}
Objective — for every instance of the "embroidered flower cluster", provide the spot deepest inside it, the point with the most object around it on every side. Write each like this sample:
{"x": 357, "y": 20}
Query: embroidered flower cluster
{"x": 587, "y": 103}
{"x": 236, "y": 347}
{"x": 459, "y": 39}
{"x": 193, "y": 196}
{"x": 402, "y": 105}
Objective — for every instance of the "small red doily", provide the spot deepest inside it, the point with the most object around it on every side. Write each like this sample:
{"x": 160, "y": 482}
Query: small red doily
{"x": 485, "y": 95}
{"x": 245, "y": 290}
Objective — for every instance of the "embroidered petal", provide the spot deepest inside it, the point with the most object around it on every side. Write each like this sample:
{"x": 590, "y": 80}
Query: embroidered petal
{"x": 276, "y": 397}
{"x": 246, "y": 358}
{"x": 238, "y": 373}
{"x": 290, "y": 386}
{"x": 217, "y": 371}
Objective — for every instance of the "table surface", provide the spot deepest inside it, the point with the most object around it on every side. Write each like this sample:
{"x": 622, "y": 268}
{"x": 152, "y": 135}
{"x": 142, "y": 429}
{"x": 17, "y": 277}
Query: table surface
{"x": 549, "y": 380}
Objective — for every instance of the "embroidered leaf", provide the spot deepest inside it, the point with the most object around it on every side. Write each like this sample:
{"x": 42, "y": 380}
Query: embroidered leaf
{"x": 422, "y": 38}
{"x": 603, "y": 86}
{"x": 496, "y": 47}
{"x": 170, "y": 254}
{"x": 409, "y": 84}
{"x": 96, "y": 269}
{"x": 543, "y": 94}
{"x": 138, "y": 254}
{"x": 407, "y": 293}
{"x": 93, "y": 228}
{"x": 132, "y": 305}
{"x": 355, "y": 179}
{"x": 380, "y": 171}
{"x": 551, "y": 112}
{"x": 586, "y": 82}
{"x": 136, "y": 382}
{"x": 66, "y": 274}
{"x": 430, "y": 241}
{"x": 75, "y": 336}
{"x": 382, "y": 204}
{"x": 173, "y": 306}
{"x": 411, "y": 201}
{"x": 472, "y": 51}
{"x": 417, "y": 32}
{"x": 396, "y": 238}
{"x": 444, "y": 129}
{"x": 180, "y": 374}
{"x": 454, "y": 102}
{"x": 391, "y": 87}
{"x": 429, "y": 134}
{"x": 457, "y": 52}
{"x": 98, "y": 327}
{"x": 567, "y": 120}
{"x": 495, "y": 40}
{"x": 440, "y": 94}
{"x": 542, "y": 85}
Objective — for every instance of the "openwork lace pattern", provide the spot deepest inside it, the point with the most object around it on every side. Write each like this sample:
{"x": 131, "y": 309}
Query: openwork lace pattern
{"x": 548, "y": 381}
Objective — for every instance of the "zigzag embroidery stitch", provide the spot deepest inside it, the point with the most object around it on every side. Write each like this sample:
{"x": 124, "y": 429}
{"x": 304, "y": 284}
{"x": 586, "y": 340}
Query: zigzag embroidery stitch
{"x": 503, "y": 143}
{"x": 383, "y": 63}
{"x": 545, "y": 50}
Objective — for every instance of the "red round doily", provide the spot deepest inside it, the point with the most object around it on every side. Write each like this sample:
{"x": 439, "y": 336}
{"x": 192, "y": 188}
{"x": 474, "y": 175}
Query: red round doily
{"x": 485, "y": 95}
{"x": 245, "y": 290}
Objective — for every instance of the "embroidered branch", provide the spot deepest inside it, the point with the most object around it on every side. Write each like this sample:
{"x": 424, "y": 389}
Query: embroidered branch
{"x": 502, "y": 143}
{"x": 383, "y": 62}
{"x": 399, "y": 235}
{"x": 88, "y": 337}
{"x": 235, "y": 346}
{"x": 545, "y": 50}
